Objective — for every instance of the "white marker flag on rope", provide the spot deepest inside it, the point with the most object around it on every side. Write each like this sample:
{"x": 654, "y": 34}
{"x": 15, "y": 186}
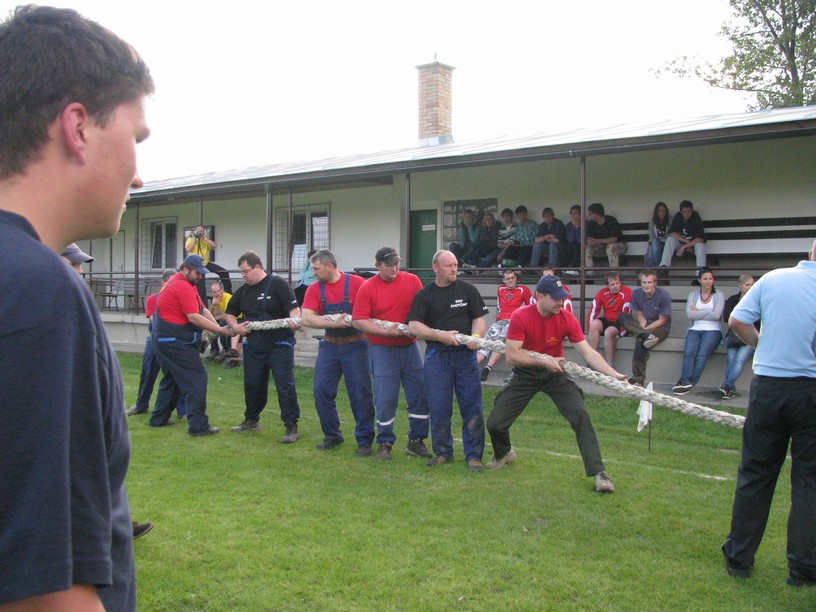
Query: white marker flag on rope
{"x": 644, "y": 411}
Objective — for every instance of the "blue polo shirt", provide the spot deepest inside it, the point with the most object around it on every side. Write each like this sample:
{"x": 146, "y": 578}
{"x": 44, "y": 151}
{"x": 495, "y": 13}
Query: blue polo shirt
{"x": 785, "y": 301}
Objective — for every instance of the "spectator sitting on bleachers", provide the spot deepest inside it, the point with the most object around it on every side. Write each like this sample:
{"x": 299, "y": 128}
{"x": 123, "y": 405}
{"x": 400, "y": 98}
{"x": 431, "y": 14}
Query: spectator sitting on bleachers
{"x": 483, "y": 252}
{"x": 551, "y": 233}
{"x": 738, "y": 352}
{"x": 526, "y": 230}
{"x": 704, "y": 309}
{"x": 572, "y": 249}
{"x": 507, "y": 232}
{"x": 609, "y": 302}
{"x": 686, "y": 233}
{"x": 658, "y": 232}
{"x": 604, "y": 236}
{"x": 649, "y": 322}
{"x": 468, "y": 234}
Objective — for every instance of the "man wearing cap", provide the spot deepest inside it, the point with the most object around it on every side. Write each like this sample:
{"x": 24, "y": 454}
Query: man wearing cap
{"x": 343, "y": 351}
{"x": 75, "y": 257}
{"x": 266, "y": 297}
{"x": 394, "y": 355}
{"x": 541, "y": 328}
{"x": 439, "y": 312}
{"x": 180, "y": 315}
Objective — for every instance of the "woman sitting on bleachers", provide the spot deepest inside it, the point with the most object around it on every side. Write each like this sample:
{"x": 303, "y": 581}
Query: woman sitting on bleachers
{"x": 704, "y": 309}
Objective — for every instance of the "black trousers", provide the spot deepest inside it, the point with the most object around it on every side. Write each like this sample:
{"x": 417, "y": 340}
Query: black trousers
{"x": 779, "y": 410}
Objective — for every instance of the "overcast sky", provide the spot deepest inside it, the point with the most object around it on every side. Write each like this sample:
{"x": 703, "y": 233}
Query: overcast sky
{"x": 251, "y": 83}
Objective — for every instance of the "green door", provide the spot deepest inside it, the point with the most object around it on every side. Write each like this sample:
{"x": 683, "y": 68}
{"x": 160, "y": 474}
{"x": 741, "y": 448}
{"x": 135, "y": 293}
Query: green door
{"x": 423, "y": 230}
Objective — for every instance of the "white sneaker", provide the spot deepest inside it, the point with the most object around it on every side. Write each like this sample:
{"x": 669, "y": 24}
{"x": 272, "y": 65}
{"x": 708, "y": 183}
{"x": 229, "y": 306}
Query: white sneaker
{"x": 495, "y": 464}
{"x": 603, "y": 483}
{"x": 651, "y": 341}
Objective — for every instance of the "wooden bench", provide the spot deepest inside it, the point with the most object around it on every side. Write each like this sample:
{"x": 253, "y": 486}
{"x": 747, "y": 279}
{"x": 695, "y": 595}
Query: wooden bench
{"x": 737, "y": 242}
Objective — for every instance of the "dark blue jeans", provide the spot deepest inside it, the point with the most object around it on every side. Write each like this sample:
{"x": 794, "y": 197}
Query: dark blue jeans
{"x": 448, "y": 371}
{"x": 183, "y": 374}
{"x": 699, "y": 346}
{"x": 147, "y": 378}
{"x": 390, "y": 366}
{"x": 779, "y": 410}
{"x": 280, "y": 360}
{"x": 351, "y": 362}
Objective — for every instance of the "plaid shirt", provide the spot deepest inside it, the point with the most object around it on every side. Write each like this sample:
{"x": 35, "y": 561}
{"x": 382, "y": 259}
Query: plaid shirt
{"x": 526, "y": 232}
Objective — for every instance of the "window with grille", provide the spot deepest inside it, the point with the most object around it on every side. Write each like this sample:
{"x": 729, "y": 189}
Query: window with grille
{"x": 309, "y": 229}
{"x": 158, "y": 248}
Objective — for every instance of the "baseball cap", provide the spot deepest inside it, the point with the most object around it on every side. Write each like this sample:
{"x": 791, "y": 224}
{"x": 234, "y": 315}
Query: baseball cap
{"x": 551, "y": 285}
{"x": 75, "y": 255}
{"x": 387, "y": 256}
{"x": 196, "y": 262}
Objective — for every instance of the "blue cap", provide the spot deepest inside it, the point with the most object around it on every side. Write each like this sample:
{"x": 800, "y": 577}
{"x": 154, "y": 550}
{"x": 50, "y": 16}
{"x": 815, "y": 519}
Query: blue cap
{"x": 551, "y": 285}
{"x": 196, "y": 262}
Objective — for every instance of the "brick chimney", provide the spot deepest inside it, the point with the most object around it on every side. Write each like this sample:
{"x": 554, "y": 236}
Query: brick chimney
{"x": 435, "y": 103}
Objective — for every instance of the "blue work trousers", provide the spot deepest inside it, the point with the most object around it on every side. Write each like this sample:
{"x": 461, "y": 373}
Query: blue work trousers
{"x": 351, "y": 362}
{"x": 183, "y": 374}
{"x": 699, "y": 346}
{"x": 390, "y": 366}
{"x": 147, "y": 379}
{"x": 258, "y": 363}
{"x": 448, "y": 371}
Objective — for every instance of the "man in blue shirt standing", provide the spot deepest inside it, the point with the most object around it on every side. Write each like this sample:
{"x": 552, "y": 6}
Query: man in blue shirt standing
{"x": 782, "y": 407}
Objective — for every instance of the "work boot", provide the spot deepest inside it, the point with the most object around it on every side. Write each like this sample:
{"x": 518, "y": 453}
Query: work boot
{"x": 417, "y": 448}
{"x": 212, "y": 354}
{"x": 247, "y": 425}
{"x": 134, "y": 410}
{"x": 384, "y": 451}
{"x": 291, "y": 434}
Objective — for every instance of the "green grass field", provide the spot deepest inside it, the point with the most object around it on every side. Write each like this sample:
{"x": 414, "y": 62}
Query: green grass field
{"x": 245, "y": 523}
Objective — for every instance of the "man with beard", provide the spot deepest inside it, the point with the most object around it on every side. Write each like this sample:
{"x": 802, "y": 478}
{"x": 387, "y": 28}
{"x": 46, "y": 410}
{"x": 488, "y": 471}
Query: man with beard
{"x": 180, "y": 316}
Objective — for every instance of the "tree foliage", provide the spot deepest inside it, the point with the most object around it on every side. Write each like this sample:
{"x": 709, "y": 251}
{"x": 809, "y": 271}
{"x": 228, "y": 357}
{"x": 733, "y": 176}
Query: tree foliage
{"x": 773, "y": 57}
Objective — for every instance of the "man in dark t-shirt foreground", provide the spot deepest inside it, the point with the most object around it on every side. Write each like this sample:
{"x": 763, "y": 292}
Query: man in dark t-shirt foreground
{"x": 68, "y": 135}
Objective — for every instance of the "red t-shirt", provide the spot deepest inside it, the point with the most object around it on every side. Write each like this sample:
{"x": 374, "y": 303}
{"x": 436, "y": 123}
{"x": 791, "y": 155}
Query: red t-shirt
{"x": 150, "y": 305}
{"x": 510, "y": 300}
{"x": 334, "y": 292}
{"x": 378, "y": 299}
{"x": 543, "y": 335}
{"x": 611, "y": 304}
{"x": 178, "y": 299}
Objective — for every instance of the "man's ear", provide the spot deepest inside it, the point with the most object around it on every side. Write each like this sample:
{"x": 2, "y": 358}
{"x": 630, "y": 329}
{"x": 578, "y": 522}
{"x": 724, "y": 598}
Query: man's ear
{"x": 75, "y": 122}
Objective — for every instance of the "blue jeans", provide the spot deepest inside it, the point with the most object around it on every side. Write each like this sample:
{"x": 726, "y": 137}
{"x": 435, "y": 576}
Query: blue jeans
{"x": 654, "y": 253}
{"x": 738, "y": 356}
{"x": 351, "y": 362}
{"x": 391, "y": 365}
{"x": 147, "y": 378}
{"x": 446, "y": 371}
{"x": 539, "y": 248}
{"x": 699, "y": 346}
{"x": 280, "y": 360}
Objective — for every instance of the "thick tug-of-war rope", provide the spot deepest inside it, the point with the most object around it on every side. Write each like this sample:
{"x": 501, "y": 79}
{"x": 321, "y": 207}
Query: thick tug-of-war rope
{"x": 622, "y": 387}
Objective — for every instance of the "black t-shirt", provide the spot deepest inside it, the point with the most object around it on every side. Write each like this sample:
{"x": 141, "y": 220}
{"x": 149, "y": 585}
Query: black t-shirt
{"x": 448, "y": 308}
{"x": 690, "y": 228}
{"x": 609, "y": 229}
{"x": 64, "y": 442}
{"x": 271, "y": 298}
